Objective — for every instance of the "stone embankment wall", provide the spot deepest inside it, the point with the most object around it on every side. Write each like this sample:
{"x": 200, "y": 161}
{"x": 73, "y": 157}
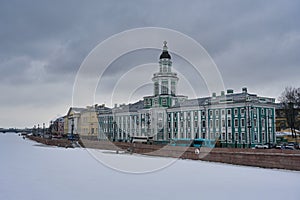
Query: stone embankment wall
{"x": 51, "y": 142}
{"x": 267, "y": 158}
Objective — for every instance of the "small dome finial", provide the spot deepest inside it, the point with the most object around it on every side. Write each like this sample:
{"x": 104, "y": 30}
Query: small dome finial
{"x": 165, "y": 48}
{"x": 165, "y": 54}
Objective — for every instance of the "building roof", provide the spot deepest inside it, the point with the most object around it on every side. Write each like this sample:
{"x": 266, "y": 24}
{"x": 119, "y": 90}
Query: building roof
{"x": 103, "y": 110}
{"x": 223, "y": 99}
{"x": 165, "y": 54}
{"x": 75, "y": 110}
{"x": 129, "y": 107}
{"x": 192, "y": 102}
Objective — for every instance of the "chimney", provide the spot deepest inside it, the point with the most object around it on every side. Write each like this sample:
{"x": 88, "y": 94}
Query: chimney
{"x": 244, "y": 90}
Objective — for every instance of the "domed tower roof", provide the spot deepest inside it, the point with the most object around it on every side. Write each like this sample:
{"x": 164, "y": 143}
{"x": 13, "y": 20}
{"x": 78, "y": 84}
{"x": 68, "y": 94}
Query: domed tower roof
{"x": 165, "y": 54}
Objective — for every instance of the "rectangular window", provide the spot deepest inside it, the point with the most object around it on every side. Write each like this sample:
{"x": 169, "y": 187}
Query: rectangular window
{"x": 217, "y": 113}
{"x": 228, "y": 112}
{"x": 242, "y": 111}
{"x": 228, "y": 122}
{"x": 235, "y": 111}
{"x": 223, "y": 122}
{"x": 236, "y": 137}
{"x": 164, "y": 101}
{"x": 223, "y": 112}
{"x": 188, "y": 115}
{"x": 243, "y": 122}
{"x": 210, "y": 123}
{"x": 223, "y": 136}
{"x": 236, "y": 123}
{"x": 164, "y": 87}
{"x": 270, "y": 112}
{"x": 210, "y": 113}
{"x": 203, "y": 113}
{"x": 195, "y": 124}
{"x": 203, "y": 124}
{"x": 217, "y": 123}
{"x": 173, "y": 88}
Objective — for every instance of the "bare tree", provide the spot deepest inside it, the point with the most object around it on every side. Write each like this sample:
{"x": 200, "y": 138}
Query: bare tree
{"x": 290, "y": 99}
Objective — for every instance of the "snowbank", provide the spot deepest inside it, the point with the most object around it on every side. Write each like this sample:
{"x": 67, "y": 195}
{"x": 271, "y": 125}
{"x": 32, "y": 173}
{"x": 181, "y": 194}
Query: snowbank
{"x": 32, "y": 171}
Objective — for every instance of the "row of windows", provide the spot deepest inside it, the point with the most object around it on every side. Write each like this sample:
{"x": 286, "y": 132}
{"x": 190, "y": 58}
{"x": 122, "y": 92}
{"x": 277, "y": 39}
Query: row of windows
{"x": 188, "y": 124}
{"x": 216, "y": 123}
{"x": 229, "y": 137}
{"x": 181, "y": 115}
{"x": 217, "y": 112}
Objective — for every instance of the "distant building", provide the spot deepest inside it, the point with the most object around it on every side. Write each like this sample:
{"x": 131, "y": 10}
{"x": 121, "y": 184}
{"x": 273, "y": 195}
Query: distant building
{"x": 72, "y": 120}
{"x": 88, "y": 124}
{"x": 58, "y": 126}
{"x": 66, "y": 124}
{"x": 234, "y": 119}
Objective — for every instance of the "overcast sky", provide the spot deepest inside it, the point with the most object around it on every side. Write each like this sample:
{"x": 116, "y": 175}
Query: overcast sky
{"x": 43, "y": 43}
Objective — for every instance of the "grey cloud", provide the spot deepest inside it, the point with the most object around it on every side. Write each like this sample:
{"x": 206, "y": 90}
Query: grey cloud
{"x": 43, "y": 43}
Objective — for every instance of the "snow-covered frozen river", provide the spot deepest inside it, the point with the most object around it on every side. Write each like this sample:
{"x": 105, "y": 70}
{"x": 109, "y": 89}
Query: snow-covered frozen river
{"x": 32, "y": 171}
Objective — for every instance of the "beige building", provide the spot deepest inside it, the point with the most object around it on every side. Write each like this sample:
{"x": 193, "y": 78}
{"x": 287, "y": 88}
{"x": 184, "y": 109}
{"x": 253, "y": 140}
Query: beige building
{"x": 72, "y": 120}
{"x": 88, "y": 122}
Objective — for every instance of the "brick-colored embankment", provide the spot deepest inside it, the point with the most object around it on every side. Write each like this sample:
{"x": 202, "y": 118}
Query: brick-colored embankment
{"x": 51, "y": 142}
{"x": 267, "y": 158}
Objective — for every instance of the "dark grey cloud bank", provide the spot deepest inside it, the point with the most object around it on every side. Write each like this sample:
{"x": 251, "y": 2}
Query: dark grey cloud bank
{"x": 254, "y": 44}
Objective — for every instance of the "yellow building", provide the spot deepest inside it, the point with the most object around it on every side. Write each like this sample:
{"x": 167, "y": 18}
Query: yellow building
{"x": 83, "y": 121}
{"x": 88, "y": 122}
{"x": 72, "y": 120}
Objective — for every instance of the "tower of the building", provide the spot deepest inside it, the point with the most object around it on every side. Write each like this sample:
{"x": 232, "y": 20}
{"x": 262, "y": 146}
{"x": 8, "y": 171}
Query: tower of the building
{"x": 165, "y": 81}
{"x": 164, "y": 84}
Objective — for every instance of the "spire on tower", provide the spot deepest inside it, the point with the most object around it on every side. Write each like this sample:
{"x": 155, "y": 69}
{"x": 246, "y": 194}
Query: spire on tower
{"x": 165, "y": 54}
{"x": 165, "y": 48}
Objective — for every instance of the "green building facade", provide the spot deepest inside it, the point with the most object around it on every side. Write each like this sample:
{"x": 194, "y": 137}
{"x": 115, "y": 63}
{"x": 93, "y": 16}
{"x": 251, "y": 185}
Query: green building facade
{"x": 233, "y": 119}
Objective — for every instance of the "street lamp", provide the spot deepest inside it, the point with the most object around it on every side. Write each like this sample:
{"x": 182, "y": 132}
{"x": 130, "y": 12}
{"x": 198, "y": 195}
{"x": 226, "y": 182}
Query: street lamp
{"x": 43, "y": 129}
{"x": 72, "y": 129}
{"x": 38, "y": 130}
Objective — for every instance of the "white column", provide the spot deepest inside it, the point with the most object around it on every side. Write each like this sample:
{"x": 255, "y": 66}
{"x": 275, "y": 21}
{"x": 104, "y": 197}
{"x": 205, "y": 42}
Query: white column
{"x": 192, "y": 124}
{"x": 172, "y": 125}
